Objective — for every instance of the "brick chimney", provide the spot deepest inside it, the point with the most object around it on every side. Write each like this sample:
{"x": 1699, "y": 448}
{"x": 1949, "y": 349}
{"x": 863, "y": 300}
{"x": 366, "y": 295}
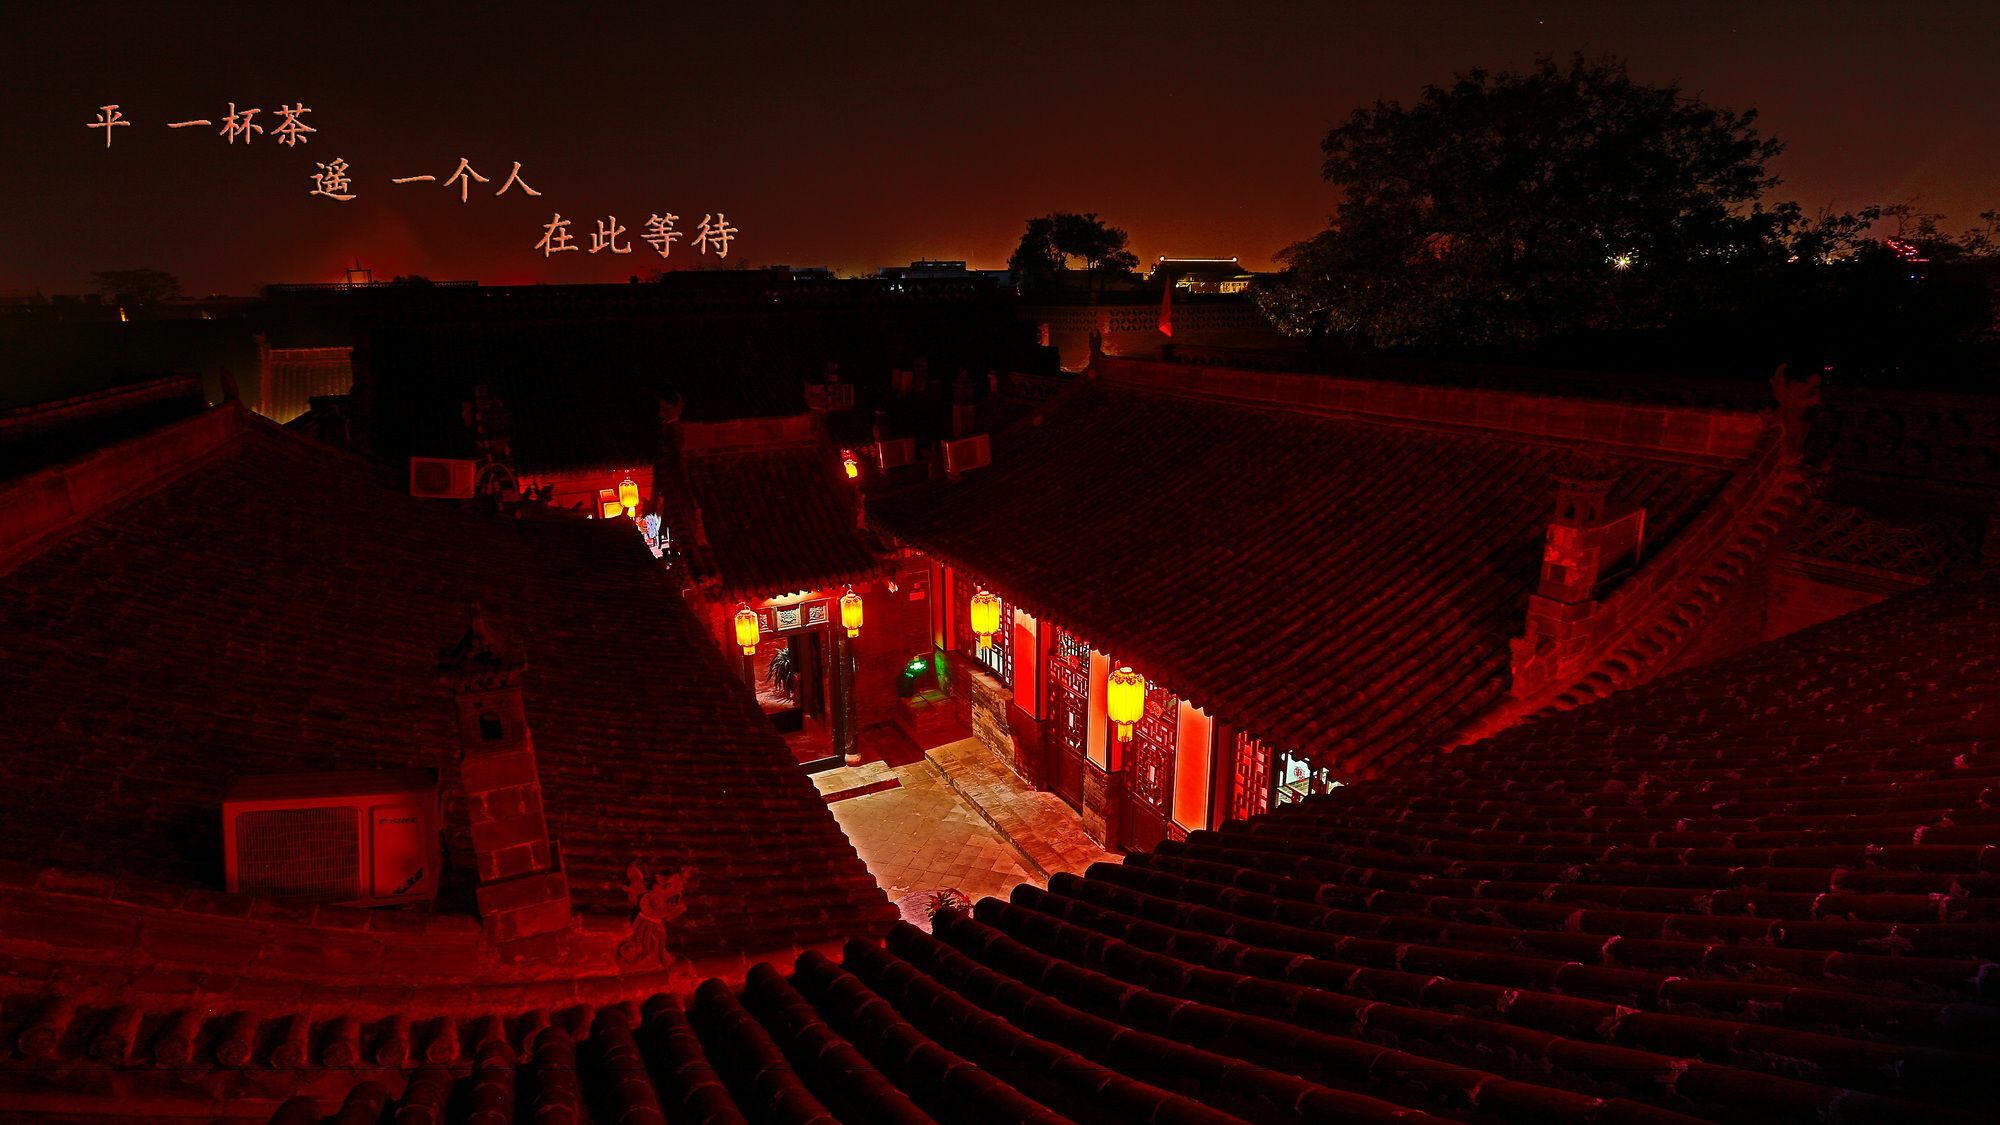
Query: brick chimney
{"x": 522, "y": 891}
{"x": 1572, "y": 555}
{"x": 492, "y": 438}
{"x": 1583, "y": 542}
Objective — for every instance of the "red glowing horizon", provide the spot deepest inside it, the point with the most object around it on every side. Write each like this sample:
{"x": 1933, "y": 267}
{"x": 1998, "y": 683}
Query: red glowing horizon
{"x": 853, "y": 142}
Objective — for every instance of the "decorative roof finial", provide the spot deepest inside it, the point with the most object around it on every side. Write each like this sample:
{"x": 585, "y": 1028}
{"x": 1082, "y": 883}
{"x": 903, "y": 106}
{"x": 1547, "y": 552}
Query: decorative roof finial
{"x": 481, "y": 659}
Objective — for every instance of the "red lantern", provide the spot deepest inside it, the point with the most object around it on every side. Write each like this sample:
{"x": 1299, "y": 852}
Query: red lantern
{"x": 747, "y": 630}
{"x": 1125, "y": 701}
{"x": 985, "y": 618}
{"x": 850, "y": 612}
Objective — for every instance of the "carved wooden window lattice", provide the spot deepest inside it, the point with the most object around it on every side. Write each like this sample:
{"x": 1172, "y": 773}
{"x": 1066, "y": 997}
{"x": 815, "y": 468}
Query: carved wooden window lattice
{"x": 1151, "y": 775}
{"x": 1069, "y": 679}
{"x": 999, "y": 656}
{"x": 1298, "y": 779}
{"x": 1251, "y": 793}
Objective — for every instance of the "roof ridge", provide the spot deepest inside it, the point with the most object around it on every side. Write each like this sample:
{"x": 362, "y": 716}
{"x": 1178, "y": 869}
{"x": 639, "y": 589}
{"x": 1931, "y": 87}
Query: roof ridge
{"x": 1702, "y": 434}
{"x": 44, "y": 507}
{"x": 1727, "y": 540}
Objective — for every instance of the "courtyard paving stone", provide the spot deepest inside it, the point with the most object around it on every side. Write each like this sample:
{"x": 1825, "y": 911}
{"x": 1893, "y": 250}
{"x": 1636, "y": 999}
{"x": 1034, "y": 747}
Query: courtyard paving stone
{"x": 1040, "y": 824}
{"x": 922, "y": 836}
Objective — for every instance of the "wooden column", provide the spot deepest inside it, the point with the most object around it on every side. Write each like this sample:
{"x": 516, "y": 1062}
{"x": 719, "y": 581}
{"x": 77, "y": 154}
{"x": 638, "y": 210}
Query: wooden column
{"x": 841, "y": 713}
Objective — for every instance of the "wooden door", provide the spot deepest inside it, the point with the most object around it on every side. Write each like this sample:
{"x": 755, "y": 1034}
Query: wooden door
{"x": 1149, "y": 770}
{"x": 1069, "y": 712}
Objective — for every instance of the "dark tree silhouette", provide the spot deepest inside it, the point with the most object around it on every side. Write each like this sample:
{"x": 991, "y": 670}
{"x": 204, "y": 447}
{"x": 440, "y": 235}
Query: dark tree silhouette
{"x": 1504, "y": 208}
{"x": 138, "y": 286}
{"x": 1053, "y": 241}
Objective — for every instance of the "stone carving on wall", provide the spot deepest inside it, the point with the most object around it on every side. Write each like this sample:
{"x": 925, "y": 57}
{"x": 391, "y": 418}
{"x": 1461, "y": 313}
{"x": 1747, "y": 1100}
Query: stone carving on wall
{"x": 656, "y": 904}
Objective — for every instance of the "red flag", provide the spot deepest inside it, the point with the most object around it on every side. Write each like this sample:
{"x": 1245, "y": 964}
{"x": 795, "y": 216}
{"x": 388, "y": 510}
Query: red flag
{"x": 1167, "y": 309}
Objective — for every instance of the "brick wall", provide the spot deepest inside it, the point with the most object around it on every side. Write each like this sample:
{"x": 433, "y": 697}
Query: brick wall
{"x": 1135, "y": 329}
{"x": 987, "y": 702}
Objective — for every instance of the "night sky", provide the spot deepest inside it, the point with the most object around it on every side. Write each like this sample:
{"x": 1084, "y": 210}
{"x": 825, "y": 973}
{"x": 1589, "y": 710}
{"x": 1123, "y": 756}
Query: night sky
{"x": 854, "y": 135}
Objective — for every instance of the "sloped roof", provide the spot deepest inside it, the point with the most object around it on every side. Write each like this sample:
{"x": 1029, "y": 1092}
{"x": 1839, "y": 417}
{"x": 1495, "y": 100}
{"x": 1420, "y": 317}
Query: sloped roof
{"x": 1759, "y": 890}
{"x": 778, "y": 520}
{"x": 52, "y": 432}
{"x": 281, "y": 608}
{"x": 1340, "y": 585}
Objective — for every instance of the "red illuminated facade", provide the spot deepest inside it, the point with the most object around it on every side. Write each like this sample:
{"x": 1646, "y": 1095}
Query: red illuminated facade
{"x": 1318, "y": 576}
{"x": 764, "y": 518}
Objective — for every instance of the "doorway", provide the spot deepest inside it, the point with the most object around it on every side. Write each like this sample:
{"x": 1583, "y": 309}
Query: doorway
{"x": 1069, "y": 706}
{"x": 793, "y": 689}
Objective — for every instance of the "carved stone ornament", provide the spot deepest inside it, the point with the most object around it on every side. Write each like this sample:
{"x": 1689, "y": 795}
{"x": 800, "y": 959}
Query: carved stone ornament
{"x": 655, "y": 906}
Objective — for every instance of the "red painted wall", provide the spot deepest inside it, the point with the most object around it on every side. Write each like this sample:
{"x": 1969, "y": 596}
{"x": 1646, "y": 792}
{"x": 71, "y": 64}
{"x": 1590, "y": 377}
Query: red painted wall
{"x": 1194, "y": 754}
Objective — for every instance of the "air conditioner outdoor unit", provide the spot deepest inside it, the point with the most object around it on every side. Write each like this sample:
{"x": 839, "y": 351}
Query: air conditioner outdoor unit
{"x": 896, "y": 453}
{"x": 829, "y": 397}
{"x": 350, "y": 838}
{"x": 967, "y": 453}
{"x": 441, "y": 478}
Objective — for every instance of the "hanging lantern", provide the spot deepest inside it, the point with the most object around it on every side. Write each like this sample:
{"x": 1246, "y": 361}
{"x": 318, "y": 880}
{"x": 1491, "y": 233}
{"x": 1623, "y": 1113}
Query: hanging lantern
{"x": 985, "y": 618}
{"x": 628, "y": 495}
{"x": 850, "y": 463}
{"x": 850, "y": 612}
{"x": 747, "y": 630}
{"x": 1125, "y": 700}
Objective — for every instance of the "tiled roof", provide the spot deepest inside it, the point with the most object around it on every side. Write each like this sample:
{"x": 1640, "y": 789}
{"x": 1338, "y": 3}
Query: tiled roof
{"x": 1338, "y": 585}
{"x": 1763, "y": 890}
{"x": 281, "y": 608}
{"x": 50, "y": 433}
{"x": 778, "y": 519}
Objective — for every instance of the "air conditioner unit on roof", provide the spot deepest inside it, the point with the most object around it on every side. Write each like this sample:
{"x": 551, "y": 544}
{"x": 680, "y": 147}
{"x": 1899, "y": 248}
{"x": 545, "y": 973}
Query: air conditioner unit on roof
{"x": 829, "y": 397}
{"x": 967, "y": 453}
{"x": 442, "y": 478}
{"x": 895, "y": 453}
{"x": 352, "y": 838}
